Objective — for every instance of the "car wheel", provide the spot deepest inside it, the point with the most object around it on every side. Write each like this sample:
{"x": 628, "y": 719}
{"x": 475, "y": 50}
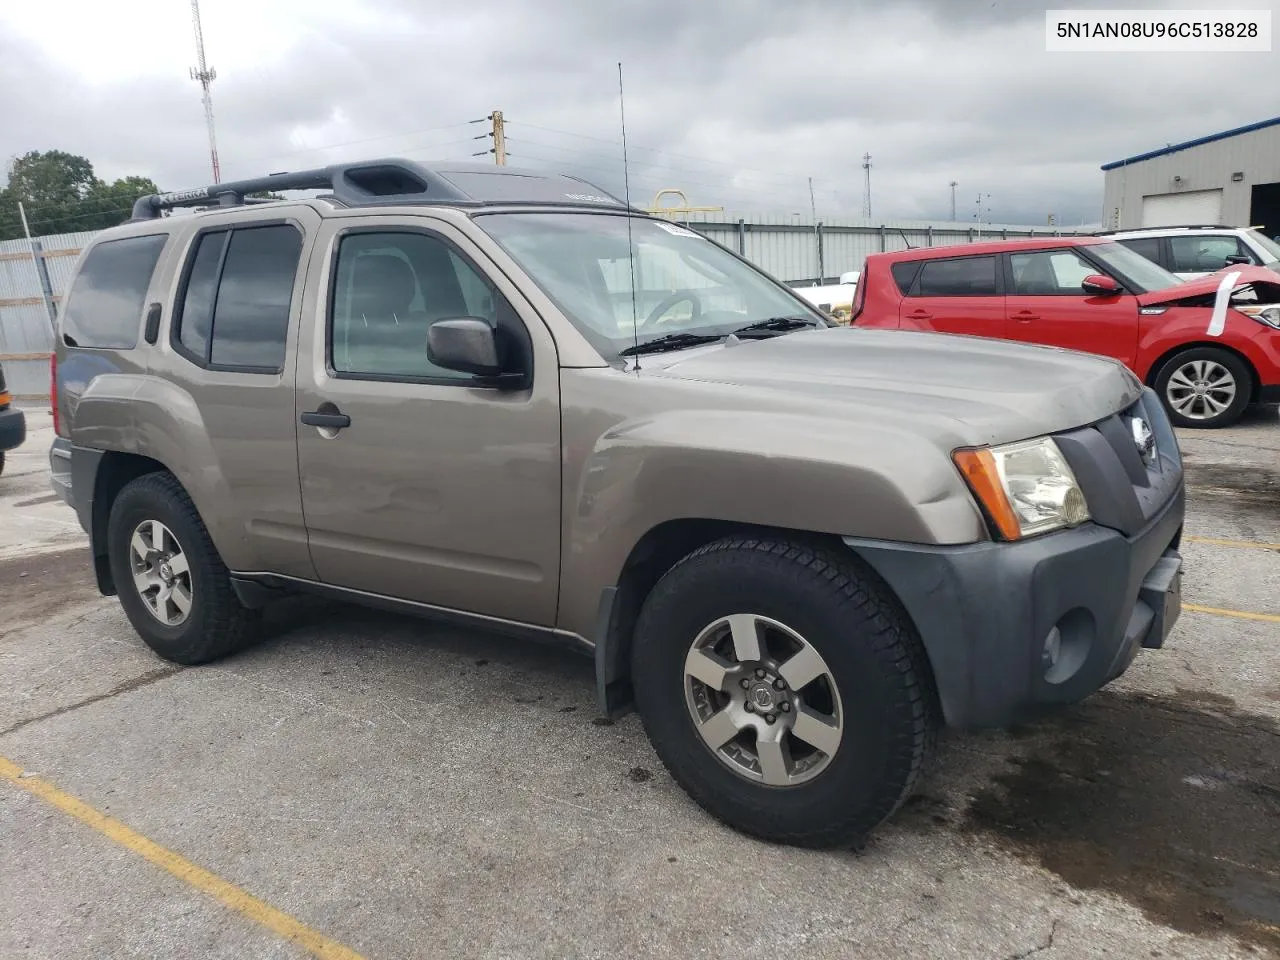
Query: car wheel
{"x": 1204, "y": 387}
{"x": 784, "y": 689}
{"x": 171, "y": 582}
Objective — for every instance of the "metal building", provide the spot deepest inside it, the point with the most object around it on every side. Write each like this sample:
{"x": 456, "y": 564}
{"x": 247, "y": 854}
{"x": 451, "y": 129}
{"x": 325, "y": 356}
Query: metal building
{"x": 1230, "y": 178}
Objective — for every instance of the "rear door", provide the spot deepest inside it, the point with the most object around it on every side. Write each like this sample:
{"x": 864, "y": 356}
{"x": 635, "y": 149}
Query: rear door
{"x": 1047, "y": 305}
{"x": 956, "y": 295}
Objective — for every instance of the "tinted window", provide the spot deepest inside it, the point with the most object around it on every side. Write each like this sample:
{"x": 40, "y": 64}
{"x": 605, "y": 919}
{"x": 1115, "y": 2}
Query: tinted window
{"x": 1148, "y": 247}
{"x": 251, "y": 318}
{"x": 1049, "y": 273}
{"x": 105, "y": 306}
{"x": 904, "y": 274}
{"x": 966, "y": 277}
{"x": 1204, "y": 254}
{"x": 196, "y": 316}
{"x": 390, "y": 288}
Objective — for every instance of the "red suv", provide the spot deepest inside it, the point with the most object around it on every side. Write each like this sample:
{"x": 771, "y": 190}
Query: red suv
{"x": 1209, "y": 347}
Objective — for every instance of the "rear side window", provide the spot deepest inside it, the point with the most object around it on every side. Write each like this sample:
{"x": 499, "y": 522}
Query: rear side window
{"x": 1148, "y": 247}
{"x": 105, "y": 306}
{"x": 904, "y": 274}
{"x": 963, "y": 277}
{"x": 237, "y": 297}
{"x": 1200, "y": 254}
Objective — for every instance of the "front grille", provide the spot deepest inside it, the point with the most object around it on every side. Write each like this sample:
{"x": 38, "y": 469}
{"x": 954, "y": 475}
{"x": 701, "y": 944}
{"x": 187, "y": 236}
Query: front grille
{"x": 1124, "y": 490}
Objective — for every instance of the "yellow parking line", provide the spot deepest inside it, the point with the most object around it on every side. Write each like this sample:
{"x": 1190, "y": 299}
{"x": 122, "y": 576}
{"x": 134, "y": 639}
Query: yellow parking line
{"x": 1245, "y": 544}
{"x": 227, "y": 893}
{"x": 1238, "y": 614}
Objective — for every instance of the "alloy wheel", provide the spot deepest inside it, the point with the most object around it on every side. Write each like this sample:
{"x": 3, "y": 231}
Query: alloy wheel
{"x": 161, "y": 573}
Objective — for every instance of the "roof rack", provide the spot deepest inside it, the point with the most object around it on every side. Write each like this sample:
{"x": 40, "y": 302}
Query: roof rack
{"x": 396, "y": 181}
{"x": 1169, "y": 226}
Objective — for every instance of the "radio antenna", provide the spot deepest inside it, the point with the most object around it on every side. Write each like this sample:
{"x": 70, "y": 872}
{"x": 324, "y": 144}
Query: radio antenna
{"x": 631, "y": 248}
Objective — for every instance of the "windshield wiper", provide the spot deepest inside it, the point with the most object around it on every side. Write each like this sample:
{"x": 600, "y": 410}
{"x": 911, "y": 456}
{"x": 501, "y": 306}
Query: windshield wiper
{"x": 778, "y": 325}
{"x": 672, "y": 341}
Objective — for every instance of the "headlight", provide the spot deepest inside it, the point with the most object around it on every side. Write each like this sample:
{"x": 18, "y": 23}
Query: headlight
{"x": 1026, "y": 487}
{"x": 1270, "y": 315}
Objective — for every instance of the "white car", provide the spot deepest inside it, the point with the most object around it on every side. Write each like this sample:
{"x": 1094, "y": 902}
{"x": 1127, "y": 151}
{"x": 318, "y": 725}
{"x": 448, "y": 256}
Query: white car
{"x": 1191, "y": 252}
{"x": 836, "y": 299}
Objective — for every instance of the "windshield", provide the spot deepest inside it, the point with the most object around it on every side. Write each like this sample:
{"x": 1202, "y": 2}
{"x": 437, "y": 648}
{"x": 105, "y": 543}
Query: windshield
{"x": 1267, "y": 244}
{"x": 1133, "y": 268}
{"x": 683, "y": 284}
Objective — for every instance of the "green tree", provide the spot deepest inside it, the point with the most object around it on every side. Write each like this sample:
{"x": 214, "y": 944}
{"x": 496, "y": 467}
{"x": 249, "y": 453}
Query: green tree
{"x": 61, "y": 194}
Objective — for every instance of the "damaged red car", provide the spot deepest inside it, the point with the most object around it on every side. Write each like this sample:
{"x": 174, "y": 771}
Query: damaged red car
{"x": 1209, "y": 347}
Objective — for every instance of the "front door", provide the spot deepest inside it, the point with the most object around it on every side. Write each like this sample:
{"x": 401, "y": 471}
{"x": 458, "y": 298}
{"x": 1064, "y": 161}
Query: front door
{"x": 955, "y": 295}
{"x": 1046, "y": 304}
{"x": 436, "y": 489}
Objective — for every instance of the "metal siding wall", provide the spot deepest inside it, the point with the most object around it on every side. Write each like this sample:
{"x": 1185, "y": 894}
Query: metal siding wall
{"x": 25, "y": 328}
{"x": 1207, "y": 167}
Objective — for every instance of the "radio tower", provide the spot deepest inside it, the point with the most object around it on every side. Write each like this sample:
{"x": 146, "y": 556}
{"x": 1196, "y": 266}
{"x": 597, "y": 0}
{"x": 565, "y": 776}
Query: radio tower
{"x": 205, "y": 74}
{"x": 866, "y": 197}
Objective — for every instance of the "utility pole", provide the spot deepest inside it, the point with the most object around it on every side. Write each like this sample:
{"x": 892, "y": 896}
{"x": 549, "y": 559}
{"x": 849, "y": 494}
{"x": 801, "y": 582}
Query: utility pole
{"x": 978, "y": 212}
{"x": 813, "y": 207}
{"x": 205, "y": 74}
{"x": 953, "y": 201}
{"x": 499, "y": 139}
{"x": 866, "y": 168}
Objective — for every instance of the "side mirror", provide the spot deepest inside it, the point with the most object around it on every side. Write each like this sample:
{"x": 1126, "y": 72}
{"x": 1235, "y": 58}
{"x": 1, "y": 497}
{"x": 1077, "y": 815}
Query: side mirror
{"x": 1236, "y": 258}
{"x": 1097, "y": 285}
{"x": 467, "y": 344}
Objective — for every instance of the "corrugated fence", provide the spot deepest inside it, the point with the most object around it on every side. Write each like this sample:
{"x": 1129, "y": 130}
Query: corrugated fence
{"x": 794, "y": 251}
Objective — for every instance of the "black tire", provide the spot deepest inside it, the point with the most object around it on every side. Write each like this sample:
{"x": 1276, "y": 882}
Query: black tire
{"x": 1239, "y": 370}
{"x": 1, "y": 461}
{"x": 217, "y": 624}
{"x": 842, "y": 609}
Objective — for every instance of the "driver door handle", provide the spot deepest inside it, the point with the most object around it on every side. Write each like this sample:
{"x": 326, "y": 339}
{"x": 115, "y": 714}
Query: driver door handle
{"x": 335, "y": 421}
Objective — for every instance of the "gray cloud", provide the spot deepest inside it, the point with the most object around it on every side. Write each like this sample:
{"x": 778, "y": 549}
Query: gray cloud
{"x": 737, "y": 103}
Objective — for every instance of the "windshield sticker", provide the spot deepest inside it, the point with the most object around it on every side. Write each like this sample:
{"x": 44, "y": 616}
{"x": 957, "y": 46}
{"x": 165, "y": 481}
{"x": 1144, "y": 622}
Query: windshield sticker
{"x": 1218, "y": 321}
{"x": 675, "y": 231}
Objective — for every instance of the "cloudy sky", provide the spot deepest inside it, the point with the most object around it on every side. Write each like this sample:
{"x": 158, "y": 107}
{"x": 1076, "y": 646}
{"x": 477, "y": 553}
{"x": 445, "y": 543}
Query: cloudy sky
{"x": 737, "y": 102}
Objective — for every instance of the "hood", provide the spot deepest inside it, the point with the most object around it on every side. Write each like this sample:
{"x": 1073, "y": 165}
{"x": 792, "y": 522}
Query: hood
{"x": 1195, "y": 292}
{"x": 962, "y": 390}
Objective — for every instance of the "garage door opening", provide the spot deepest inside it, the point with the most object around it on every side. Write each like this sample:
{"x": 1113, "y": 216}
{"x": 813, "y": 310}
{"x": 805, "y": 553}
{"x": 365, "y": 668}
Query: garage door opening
{"x": 1264, "y": 208}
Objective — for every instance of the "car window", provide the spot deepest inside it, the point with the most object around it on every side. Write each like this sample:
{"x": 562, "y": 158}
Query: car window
{"x": 904, "y": 274}
{"x": 1049, "y": 273}
{"x": 390, "y": 288}
{"x": 1197, "y": 254}
{"x": 238, "y": 295}
{"x": 1149, "y": 247}
{"x": 105, "y": 306}
{"x": 962, "y": 277}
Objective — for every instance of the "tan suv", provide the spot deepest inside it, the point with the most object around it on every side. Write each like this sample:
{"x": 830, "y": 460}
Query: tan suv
{"x": 505, "y": 399}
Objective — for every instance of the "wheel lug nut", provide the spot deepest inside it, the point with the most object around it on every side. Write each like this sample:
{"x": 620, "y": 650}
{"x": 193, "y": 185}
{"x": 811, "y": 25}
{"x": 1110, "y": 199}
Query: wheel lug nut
{"x": 745, "y": 683}
{"x": 749, "y": 707}
{"x": 784, "y": 707}
{"x": 779, "y": 684}
{"x": 770, "y": 718}
{"x": 759, "y": 673}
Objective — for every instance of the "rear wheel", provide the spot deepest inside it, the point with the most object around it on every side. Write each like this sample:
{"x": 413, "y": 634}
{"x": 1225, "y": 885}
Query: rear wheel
{"x": 1204, "y": 387}
{"x": 784, "y": 690}
{"x": 171, "y": 582}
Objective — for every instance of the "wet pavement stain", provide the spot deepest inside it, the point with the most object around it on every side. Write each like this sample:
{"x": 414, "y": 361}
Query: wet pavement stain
{"x": 1245, "y": 485}
{"x": 1172, "y": 803}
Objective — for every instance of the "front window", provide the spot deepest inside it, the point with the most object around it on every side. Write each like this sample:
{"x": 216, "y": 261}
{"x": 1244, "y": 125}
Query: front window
{"x": 1133, "y": 268}
{"x": 682, "y": 282}
{"x": 1266, "y": 243}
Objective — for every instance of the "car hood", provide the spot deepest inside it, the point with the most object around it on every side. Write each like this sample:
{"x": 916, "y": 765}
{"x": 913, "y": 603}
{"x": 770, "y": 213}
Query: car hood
{"x": 1207, "y": 287}
{"x": 962, "y": 390}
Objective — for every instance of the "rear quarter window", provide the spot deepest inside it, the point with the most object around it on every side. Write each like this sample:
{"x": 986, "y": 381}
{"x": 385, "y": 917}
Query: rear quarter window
{"x": 904, "y": 274}
{"x": 104, "y": 308}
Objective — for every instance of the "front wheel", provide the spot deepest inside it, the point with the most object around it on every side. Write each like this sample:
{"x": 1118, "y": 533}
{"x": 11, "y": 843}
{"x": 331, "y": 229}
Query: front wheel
{"x": 1204, "y": 387}
{"x": 784, "y": 690}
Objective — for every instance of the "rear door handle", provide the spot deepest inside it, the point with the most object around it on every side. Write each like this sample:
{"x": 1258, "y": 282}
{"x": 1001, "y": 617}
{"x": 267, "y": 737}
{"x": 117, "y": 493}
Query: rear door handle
{"x": 920, "y": 315}
{"x": 335, "y": 421}
{"x": 1024, "y": 315}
